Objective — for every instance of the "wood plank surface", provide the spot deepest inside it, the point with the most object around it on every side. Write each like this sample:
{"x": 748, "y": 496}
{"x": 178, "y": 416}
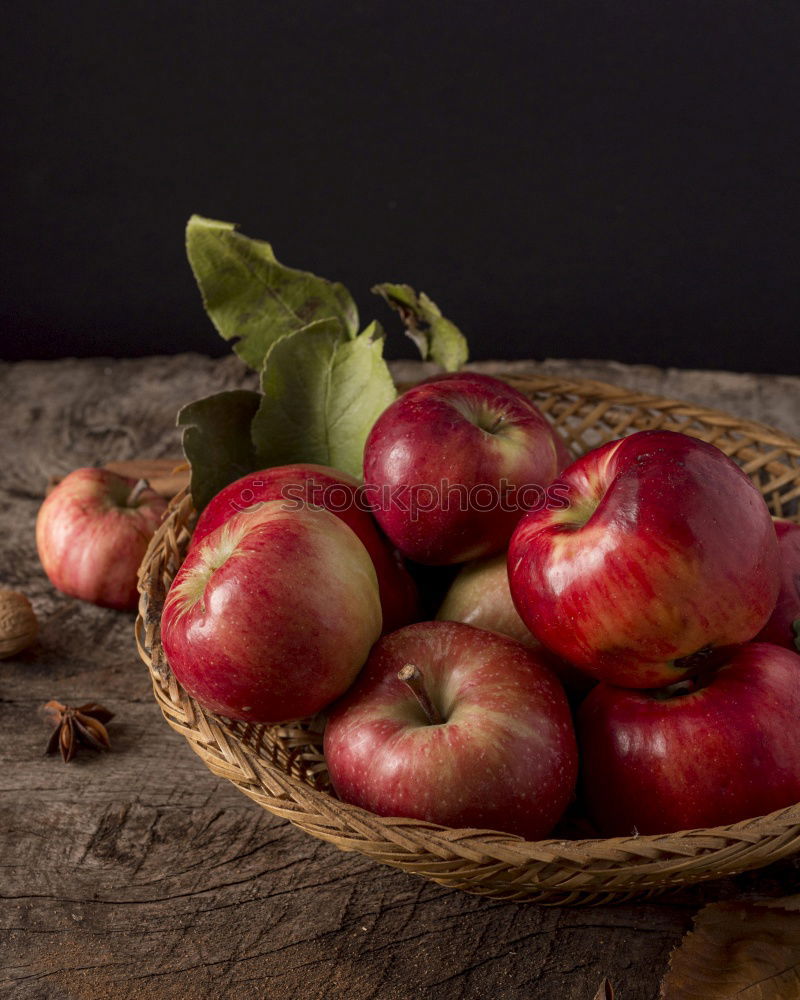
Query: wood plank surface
{"x": 138, "y": 874}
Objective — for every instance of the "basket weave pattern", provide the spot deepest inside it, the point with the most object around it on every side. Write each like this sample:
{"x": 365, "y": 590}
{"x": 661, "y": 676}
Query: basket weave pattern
{"x": 282, "y": 768}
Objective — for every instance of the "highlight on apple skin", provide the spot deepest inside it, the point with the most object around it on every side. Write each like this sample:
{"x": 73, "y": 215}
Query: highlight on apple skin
{"x": 92, "y": 532}
{"x": 272, "y": 614}
{"x": 446, "y": 461}
{"x": 487, "y": 743}
{"x": 783, "y": 627}
{"x": 338, "y": 492}
{"x": 710, "y": 751}
{"x": 664, "y": 551}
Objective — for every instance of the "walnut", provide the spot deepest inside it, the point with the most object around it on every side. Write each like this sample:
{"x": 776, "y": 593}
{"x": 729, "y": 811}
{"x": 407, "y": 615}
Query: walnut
{"x": 18, "y": 625}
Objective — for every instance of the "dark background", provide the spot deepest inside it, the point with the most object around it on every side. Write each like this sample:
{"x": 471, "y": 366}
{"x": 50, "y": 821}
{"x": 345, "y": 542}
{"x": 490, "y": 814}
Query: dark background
{"x": 606, "y": 179}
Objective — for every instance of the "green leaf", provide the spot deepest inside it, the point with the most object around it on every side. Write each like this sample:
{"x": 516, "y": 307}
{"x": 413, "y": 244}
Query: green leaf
{"x": 254, "y": 300}
{"x": 322, "y": 394}
{"x": 437, "y": 338}
{"x": 216, "y": 441}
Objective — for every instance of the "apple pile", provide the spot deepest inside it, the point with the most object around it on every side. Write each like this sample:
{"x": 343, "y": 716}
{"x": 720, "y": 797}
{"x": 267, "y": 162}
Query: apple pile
{"x": 631, "y": 616}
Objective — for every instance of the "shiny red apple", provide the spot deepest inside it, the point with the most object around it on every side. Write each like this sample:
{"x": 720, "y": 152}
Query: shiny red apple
{"x": 452, "y": 464}
{"x": 457, "y": 726}
{"x": 708, "y": 751}
{"x": 321, "y": 486}
{"x": 92, "y": 532}
{"x": 664, "y": 550}
{"x": 563, "y": 456}
{"x": 783, "y": 627}
{"x": 272, "y": 615}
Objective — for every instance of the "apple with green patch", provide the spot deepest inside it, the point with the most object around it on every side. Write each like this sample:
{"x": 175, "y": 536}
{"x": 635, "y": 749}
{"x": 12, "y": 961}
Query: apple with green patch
{"x": 321, "y": 486}
{"x": 664, "y": 552}
{"x": 458, "y": 726}
{"x": 272, "y": 614}
{"x": 92, "y": 532}
{"x": 451, "y": 466}
{"x": 480, "y": 596}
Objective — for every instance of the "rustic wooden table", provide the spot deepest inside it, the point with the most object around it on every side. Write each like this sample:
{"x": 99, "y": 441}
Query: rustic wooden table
{"x": 140, "y": 875}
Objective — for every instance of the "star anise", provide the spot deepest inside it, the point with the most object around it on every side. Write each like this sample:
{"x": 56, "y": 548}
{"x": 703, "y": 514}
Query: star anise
{"x": 84, "y": 724}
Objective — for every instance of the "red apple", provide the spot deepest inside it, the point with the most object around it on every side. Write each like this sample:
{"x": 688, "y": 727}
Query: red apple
{"x": 664, "y": 550}
{"x": 706, "y": 752}
{"x": 92, "y": 532}
{"x": 783, "y": 627}
{"x": 480, "y": 596}
{"x": 337, "y": 492}
{"x": 272, "y": 615}
{"x": 563, "y": 456}
{"x": 445, "y": 466}
{"x": 479, "y": 733}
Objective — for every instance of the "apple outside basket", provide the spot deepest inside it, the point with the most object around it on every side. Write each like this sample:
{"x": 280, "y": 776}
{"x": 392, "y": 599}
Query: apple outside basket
{"x": 283, "y": 770}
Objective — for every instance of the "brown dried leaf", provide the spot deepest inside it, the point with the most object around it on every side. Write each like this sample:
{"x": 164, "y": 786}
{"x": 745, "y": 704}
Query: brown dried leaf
{"x": 750, "y": 951}
{"x": 605, "y": 991}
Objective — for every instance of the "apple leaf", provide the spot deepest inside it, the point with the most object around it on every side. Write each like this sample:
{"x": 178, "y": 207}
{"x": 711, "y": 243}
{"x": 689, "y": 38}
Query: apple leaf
{"x": 322, "y": 394}
{"x": 437, "y": 338}
{"x": 254, "y": 300}
{"x": 216, "y": 441}
{"x": 738, "y": 949}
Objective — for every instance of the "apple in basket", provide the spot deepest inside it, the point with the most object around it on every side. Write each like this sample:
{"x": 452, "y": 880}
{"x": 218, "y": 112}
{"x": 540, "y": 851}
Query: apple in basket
{"x": 457, "y": 726}
{"x": 272, "y": 614}
{"x": 337, "y": 492}
{"x": 711, "y": 750}
{"x": 783, "y": 627}
{"x": 664, "y": 551}
{"x": 480, "y": 596}
{"x": 92, "y": 532}
{"x": 450, "y": 466}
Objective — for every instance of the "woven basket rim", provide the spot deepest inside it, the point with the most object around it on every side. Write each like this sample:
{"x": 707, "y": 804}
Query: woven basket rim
{"x": 594, "y": 389}
{"x": 643, "y": 852}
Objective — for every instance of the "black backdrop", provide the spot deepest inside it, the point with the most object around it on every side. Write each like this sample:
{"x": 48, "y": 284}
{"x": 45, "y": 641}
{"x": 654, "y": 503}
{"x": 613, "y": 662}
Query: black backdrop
{"x": 604, "y": 179}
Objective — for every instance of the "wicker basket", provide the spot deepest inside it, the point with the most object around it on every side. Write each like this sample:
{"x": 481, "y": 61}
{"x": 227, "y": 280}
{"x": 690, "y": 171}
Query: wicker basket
{"x": 283, "y": 770}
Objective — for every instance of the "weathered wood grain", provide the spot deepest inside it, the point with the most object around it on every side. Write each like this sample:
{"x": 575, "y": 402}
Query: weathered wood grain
{"x": 137, "y": 874}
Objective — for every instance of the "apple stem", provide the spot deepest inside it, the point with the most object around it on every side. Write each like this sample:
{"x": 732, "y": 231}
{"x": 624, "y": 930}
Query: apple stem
{"x": 136, "y": 492}
{"x": 411, "y": 676}
{"x": 687, "y": 686}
